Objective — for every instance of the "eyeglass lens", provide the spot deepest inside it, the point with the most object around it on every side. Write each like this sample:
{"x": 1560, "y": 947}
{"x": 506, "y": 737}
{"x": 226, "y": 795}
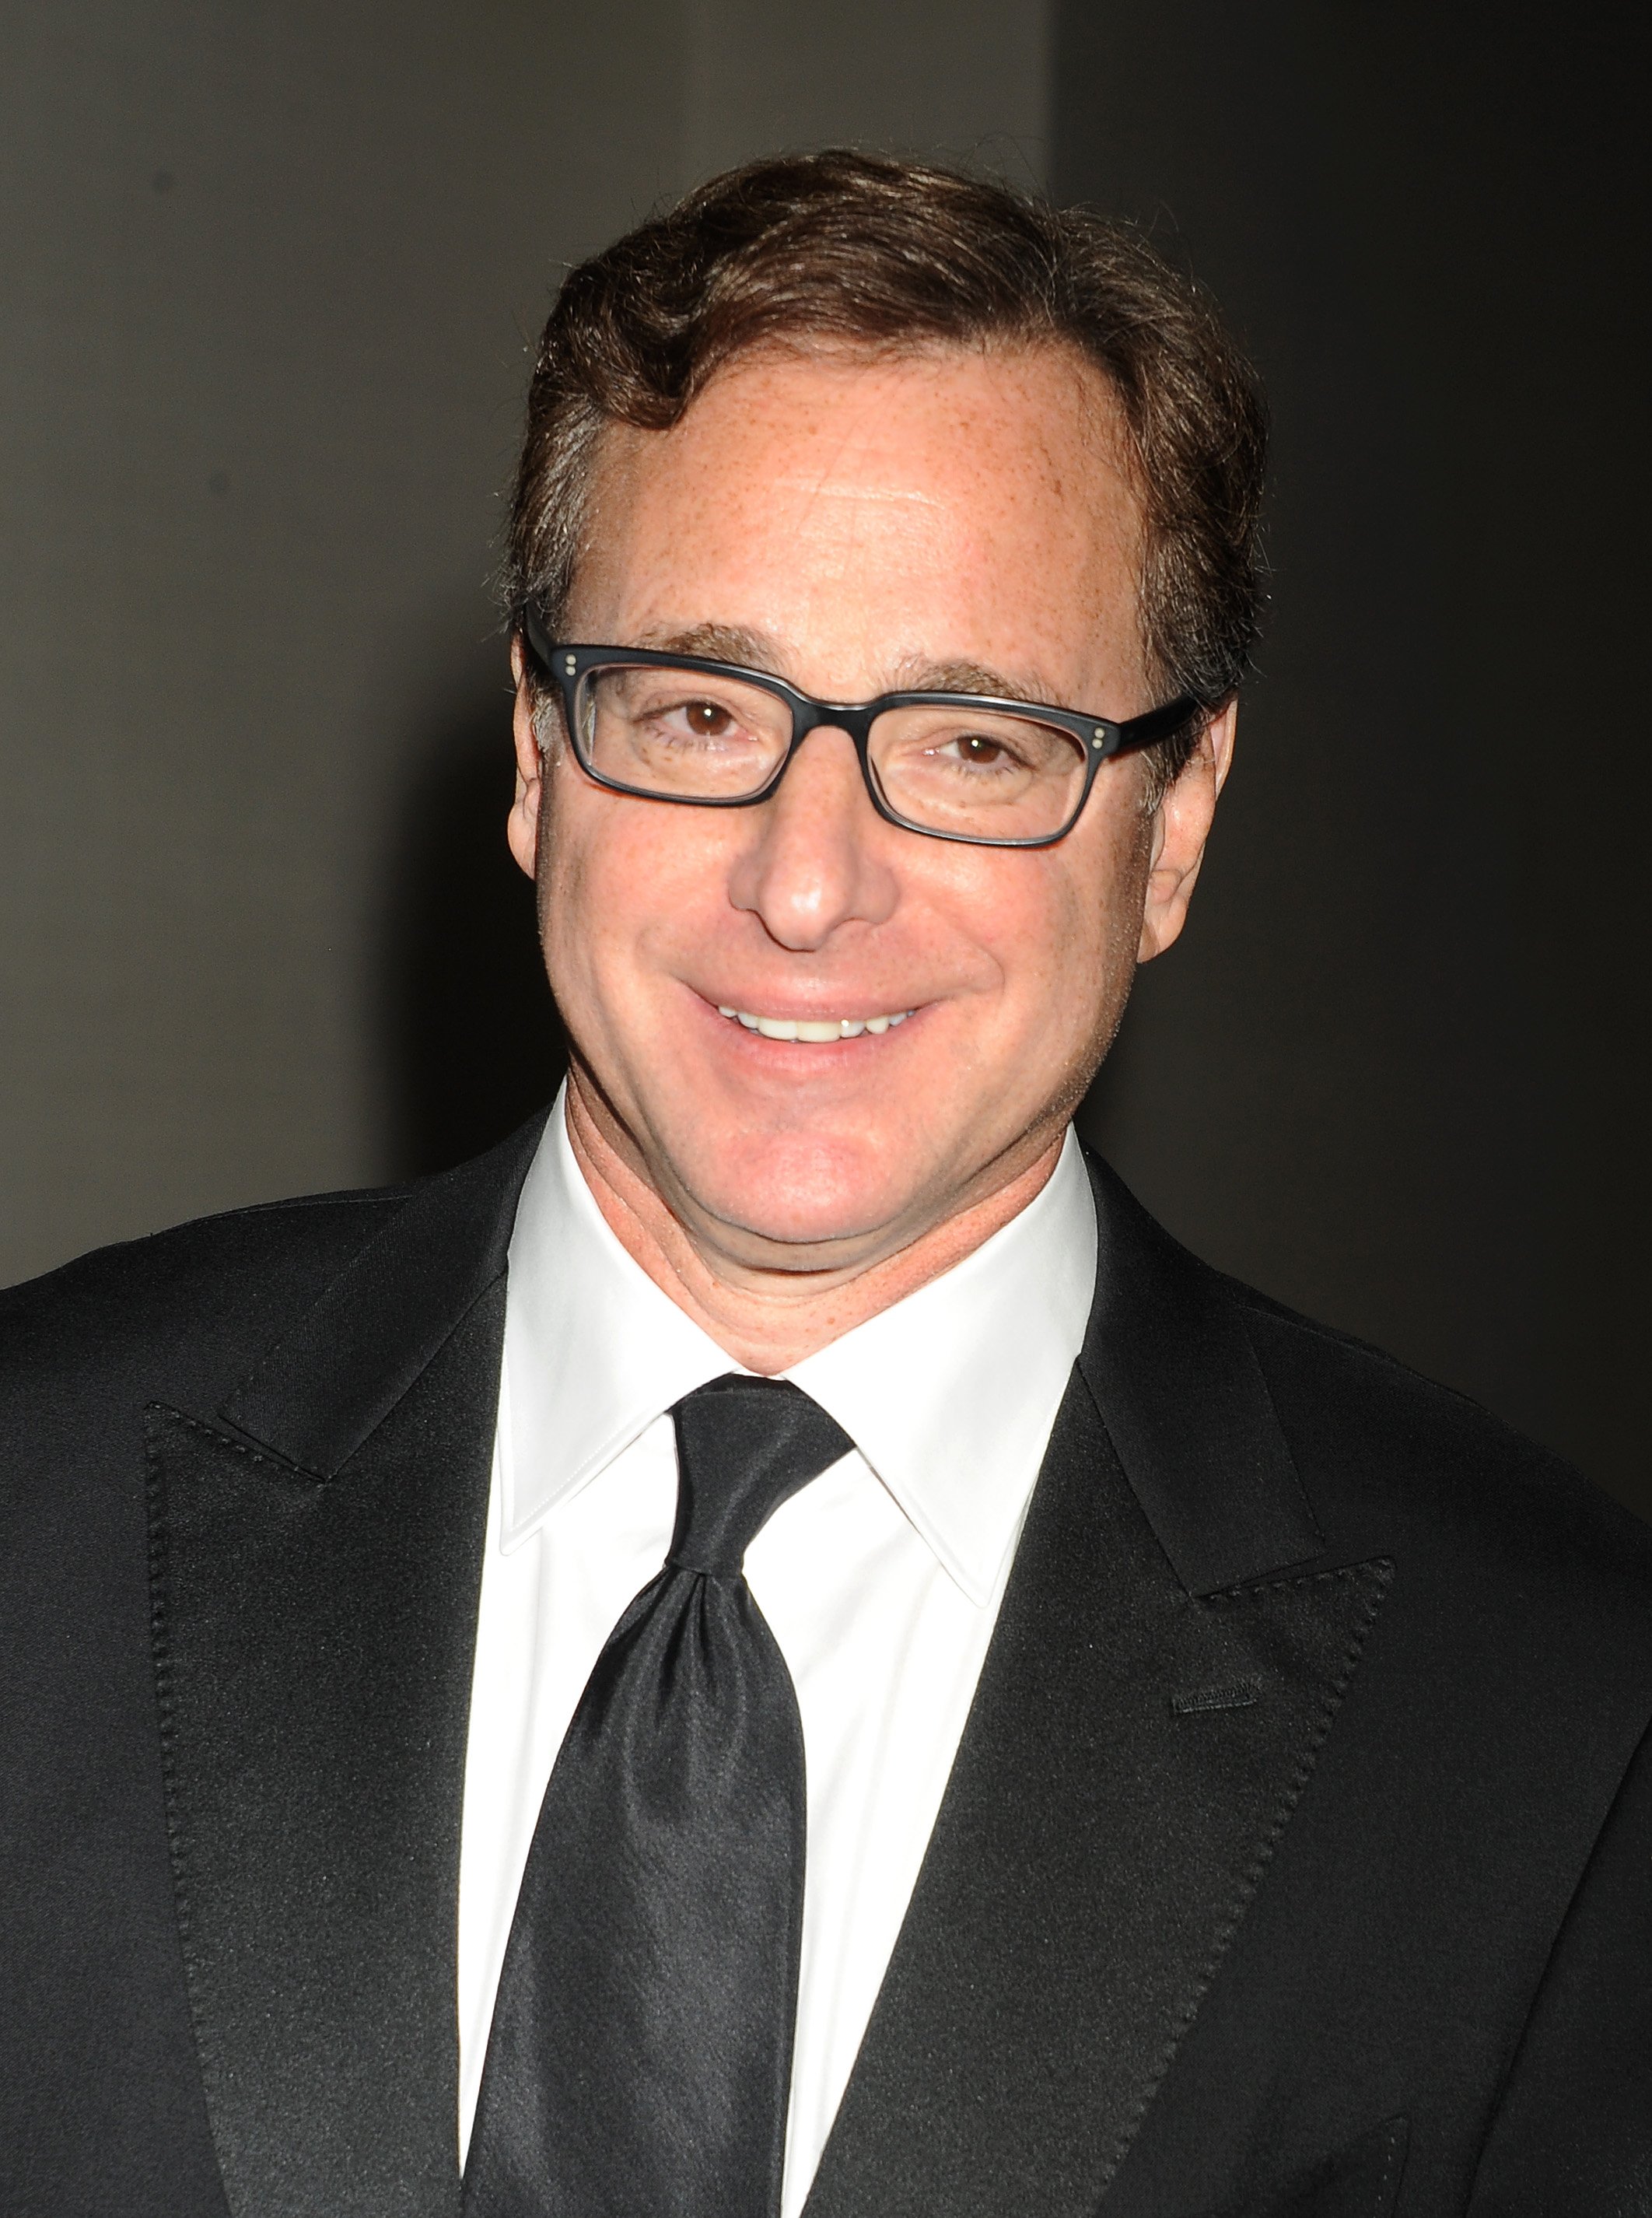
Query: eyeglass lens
{"x": 686, "y": 735}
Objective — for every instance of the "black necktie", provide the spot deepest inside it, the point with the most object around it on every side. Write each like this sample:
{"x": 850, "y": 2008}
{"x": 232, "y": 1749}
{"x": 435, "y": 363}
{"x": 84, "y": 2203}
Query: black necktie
{"x": 640, "y": 2060}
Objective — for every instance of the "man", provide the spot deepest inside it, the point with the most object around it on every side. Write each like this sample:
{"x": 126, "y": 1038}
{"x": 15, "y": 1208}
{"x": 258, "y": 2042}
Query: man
{"x": 774, "y": 1644}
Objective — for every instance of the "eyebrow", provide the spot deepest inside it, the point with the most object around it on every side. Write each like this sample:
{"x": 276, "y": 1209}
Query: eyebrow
{"x": 756, "y": 650}
{"x": 714, "y": 642}
{"x": 973, "y": 677}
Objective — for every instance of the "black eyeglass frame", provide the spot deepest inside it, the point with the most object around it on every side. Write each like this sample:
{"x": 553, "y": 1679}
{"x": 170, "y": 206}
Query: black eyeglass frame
{"x": 566, "y": 662}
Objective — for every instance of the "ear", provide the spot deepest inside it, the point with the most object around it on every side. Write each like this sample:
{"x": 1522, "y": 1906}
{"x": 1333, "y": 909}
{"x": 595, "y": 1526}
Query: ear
{"x": 1181, "y": 825}
{"x": 522, "y": 827}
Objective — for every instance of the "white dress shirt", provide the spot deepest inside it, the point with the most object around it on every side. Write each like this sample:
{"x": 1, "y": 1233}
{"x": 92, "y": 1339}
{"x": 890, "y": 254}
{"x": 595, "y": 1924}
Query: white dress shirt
{"x": 880, "y": 1580}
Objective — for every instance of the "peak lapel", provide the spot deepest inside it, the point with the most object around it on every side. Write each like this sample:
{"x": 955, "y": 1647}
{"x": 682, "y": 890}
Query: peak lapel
{"x": 1170, "y": 1365}
{"x": 1152, "y": 1708}
{"x": 315, "y": 1396}
{"x": 316, "y": 1553}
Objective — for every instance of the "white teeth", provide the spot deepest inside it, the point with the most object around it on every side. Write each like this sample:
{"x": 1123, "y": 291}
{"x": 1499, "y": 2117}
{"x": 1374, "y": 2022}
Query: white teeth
{"x": 813, "y": 1028}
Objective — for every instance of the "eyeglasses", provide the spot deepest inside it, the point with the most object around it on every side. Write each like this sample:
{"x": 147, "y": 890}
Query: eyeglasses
{"x": 952, "y": 765}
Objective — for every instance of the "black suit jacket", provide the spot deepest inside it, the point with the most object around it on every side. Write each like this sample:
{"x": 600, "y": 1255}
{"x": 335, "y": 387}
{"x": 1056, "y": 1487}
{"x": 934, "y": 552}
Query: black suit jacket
{"x": 1297, "y": 1857}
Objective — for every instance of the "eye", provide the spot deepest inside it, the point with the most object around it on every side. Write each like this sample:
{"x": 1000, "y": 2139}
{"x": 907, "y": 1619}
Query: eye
{"x": 706, "y": 720}
{"x": 975, "y": 748}
{"x": 984, "y": 750}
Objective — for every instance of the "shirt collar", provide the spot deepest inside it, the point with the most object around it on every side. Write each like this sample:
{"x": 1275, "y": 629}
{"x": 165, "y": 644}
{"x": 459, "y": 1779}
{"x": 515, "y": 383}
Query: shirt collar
{"x": 949, "y": 1395}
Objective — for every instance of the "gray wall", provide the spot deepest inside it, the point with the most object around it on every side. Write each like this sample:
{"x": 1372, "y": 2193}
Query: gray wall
{"x": 269, "y": 275}
{"x": 1395, "y": 1073}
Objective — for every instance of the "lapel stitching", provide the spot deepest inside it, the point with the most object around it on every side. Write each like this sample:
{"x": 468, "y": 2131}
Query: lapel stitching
{"x": 313, "y": 1641}
{"x": 161, "y": 1647}
{"x": 1093, "y": 1857}
{"x": 1371, "y": 1580}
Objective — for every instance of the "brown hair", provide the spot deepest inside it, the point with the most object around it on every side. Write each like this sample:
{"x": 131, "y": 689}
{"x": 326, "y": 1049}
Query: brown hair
{"x": 846, "y": 248}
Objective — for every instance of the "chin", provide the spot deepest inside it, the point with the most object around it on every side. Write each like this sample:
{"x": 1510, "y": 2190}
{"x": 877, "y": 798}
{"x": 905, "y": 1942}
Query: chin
{"x": 800, "y": 1191}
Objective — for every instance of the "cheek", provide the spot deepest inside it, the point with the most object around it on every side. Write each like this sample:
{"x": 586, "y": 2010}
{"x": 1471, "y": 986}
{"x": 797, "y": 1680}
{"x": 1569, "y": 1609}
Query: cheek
{"x": 575, "y": 904}
{"x": 615, "y": 877}
{"x": 1112, "y": 897}
{"x": 1065, "y": 934}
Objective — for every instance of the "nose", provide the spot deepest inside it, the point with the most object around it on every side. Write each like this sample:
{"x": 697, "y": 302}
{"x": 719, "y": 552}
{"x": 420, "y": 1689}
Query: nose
{"x": 814, "y": 861}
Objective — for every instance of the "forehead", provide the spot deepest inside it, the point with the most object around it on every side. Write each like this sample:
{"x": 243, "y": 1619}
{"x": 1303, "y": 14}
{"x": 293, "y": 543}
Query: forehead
{"x": 867, "y": 508}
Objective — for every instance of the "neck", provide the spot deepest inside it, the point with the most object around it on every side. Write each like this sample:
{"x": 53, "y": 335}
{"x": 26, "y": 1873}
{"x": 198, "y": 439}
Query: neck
{"x": 769, "y": 1319}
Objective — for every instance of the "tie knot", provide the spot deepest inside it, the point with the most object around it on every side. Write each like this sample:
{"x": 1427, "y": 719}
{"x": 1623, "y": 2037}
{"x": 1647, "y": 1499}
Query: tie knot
{"x": 743, "y": 1446}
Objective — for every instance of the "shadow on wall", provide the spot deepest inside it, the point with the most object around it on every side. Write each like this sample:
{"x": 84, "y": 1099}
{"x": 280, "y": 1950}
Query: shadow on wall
{"x": 472, "y": 1042}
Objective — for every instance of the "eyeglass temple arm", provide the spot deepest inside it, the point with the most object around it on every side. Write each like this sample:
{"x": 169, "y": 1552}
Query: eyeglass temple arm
{"x": 1156, "y": 724}
{"x": 528, "y": 628}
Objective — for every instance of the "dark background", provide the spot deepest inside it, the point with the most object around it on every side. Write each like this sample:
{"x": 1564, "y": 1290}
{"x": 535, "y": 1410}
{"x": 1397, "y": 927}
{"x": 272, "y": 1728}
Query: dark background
{"x": 270, "y": 276}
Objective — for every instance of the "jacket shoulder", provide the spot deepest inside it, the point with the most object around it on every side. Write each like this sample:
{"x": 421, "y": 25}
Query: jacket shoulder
{"x": 1377, "y": 1443}
{"x": 176, "y": 1310}
{"x": 180, "y": 1317}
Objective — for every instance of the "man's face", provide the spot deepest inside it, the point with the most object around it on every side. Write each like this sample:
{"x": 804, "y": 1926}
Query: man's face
{"x": 855, "y": 525}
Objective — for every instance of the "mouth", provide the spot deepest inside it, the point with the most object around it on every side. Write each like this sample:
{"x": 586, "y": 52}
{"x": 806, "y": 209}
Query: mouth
{"x": 812, "y": 1031}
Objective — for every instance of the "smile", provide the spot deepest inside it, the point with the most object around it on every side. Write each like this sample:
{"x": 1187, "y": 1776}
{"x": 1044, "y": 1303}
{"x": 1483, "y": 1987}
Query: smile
{"x": 813, "y": 1029}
